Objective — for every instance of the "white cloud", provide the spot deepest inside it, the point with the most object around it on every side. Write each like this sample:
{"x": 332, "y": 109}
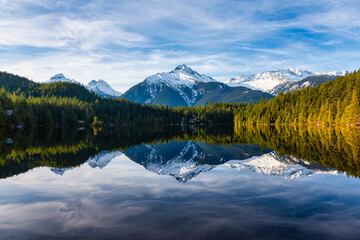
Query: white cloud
{"x": 125, "y": 41}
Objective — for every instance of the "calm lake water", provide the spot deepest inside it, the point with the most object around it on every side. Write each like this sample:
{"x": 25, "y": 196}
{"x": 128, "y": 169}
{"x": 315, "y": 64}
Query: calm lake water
{"x": 181, "y": 183}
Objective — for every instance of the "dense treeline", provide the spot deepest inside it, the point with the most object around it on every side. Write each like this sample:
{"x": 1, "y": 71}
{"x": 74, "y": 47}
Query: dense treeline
{"x": 62, "y": 103}
{"x": 333, "y": 102}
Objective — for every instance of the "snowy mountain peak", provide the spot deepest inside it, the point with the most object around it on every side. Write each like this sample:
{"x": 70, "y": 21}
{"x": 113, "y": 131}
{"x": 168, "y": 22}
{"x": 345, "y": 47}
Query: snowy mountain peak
{"x": 60, "y": 78}
{"x": 100, "y": 82}
{"x": 103, "y": 82}
{"x": 181, "y": 75}
{"x": 102, "y": 88}
{"x": 181, "y": 80}
{"x": 185, "y": 68}
{"x": 92, "y": 83}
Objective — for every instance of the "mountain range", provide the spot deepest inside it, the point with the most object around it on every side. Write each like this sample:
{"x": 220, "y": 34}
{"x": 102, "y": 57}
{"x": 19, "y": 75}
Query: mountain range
{"x": 282, "y": 80}
{"x": 184, "y": 86}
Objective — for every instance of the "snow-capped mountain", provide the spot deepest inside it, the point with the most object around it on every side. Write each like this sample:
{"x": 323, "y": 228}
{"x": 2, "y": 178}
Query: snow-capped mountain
{"x": 100, "y": 87}
{"x": 176, "y": 86}
{"x": 272, "y": 164}
{"x": 181, "y": 75}
{"x": 267, "y": 81}
{"x": 186, "y": 87}
{"x": 60, "y": 78}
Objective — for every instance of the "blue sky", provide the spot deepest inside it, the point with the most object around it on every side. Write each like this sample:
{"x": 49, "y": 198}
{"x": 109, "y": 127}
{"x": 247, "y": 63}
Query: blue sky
{"x": 124, "y": 41}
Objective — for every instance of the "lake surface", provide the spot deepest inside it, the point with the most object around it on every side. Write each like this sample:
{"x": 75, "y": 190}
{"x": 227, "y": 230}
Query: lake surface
{"x": 181, "y": 183}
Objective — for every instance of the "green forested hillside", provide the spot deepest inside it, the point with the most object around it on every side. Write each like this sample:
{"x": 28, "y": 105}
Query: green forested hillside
{"x": 62, "y": 103}
{"x": 333, "y": 102}
{"x": 20, "y": 85}
{"x": 34, "y": 104}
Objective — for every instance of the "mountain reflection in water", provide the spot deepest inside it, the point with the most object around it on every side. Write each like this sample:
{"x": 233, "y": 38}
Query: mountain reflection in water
{"x": 174, "y": 183}
{"x": 184, "y": 153}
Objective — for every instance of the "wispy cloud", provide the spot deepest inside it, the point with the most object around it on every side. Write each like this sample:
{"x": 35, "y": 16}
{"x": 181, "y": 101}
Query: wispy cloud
{"x": 123, "y": 41}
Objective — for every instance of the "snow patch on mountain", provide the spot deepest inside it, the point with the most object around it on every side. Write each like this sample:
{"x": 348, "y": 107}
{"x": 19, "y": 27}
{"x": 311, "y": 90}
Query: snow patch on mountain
{"x": 273, "y": 165}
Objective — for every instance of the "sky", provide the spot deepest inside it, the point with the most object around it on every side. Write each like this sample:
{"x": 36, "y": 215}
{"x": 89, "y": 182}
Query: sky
{"x": 124, "y": 41}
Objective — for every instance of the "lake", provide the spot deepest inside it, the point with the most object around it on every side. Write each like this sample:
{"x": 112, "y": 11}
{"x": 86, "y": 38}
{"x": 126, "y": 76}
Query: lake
{"x": 181, "y": 183}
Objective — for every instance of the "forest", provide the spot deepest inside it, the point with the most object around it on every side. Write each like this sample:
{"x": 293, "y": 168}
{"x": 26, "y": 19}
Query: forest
{"x": 29, "y": 104}
{"x": 333, "y": 102}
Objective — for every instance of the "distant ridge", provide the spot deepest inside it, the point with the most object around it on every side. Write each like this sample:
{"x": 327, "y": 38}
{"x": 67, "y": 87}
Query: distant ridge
{"x": 271, "y": 80}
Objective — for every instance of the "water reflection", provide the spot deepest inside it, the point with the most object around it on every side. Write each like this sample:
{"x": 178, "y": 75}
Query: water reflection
{"x": 184, "y": 153}
{"x": 192, "y": 183}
